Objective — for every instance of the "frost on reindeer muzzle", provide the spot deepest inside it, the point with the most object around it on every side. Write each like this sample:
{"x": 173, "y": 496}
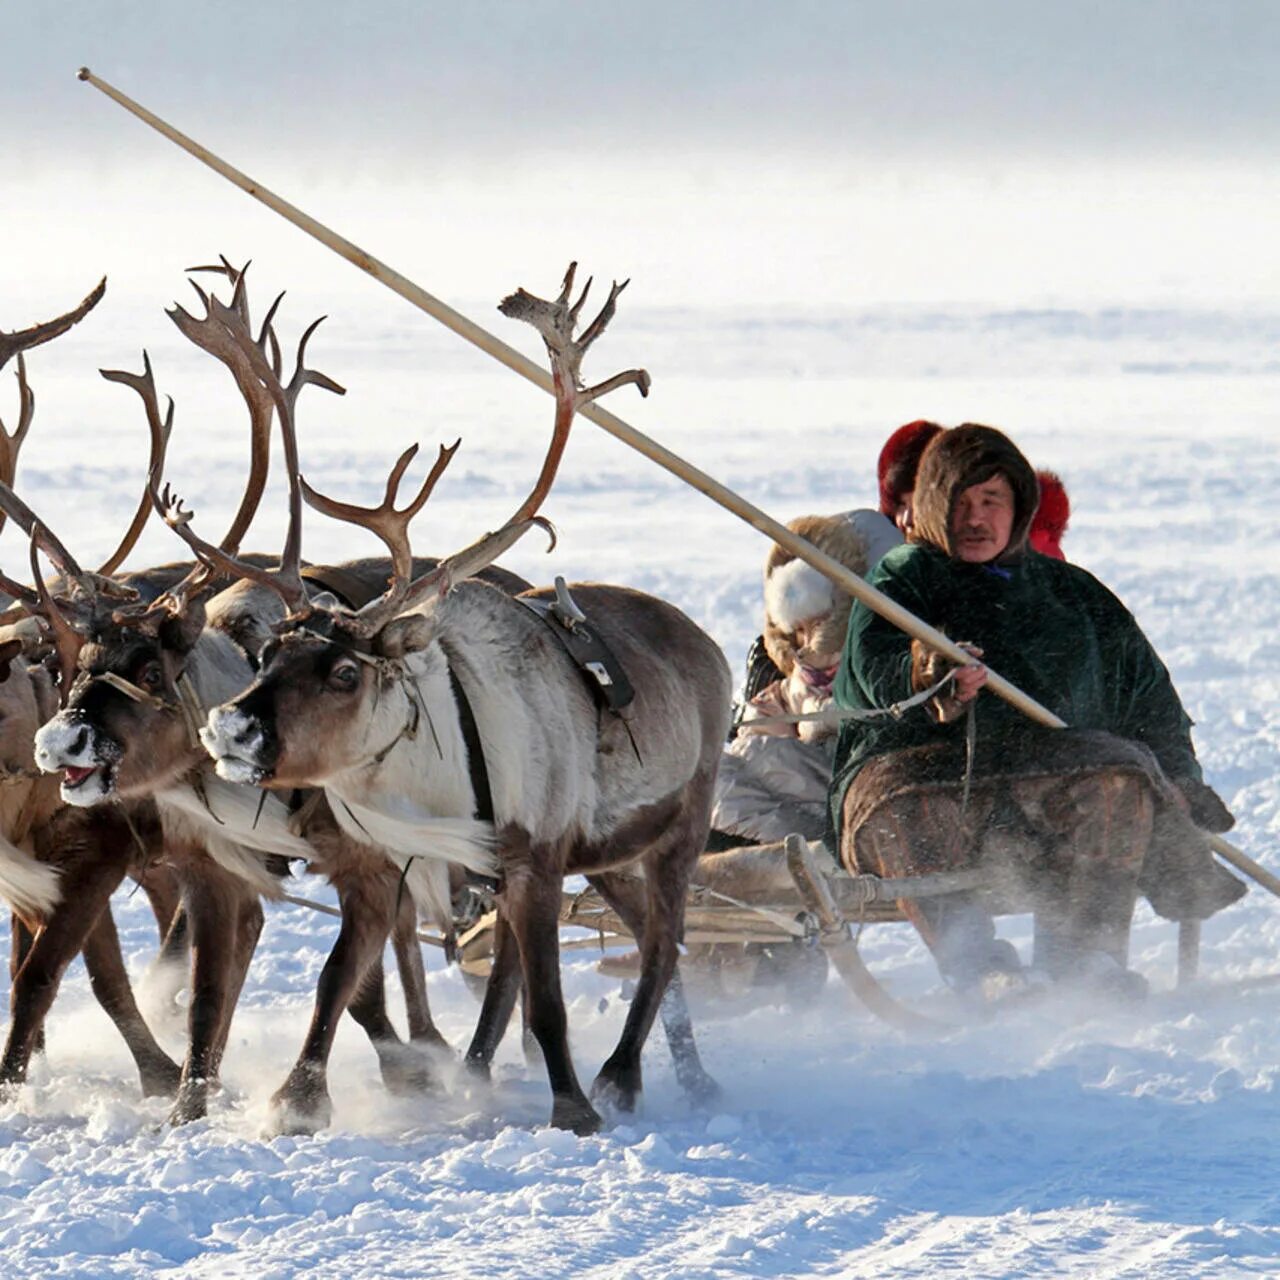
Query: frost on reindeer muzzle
{"x": 85, "y": 757}
{"x": 239, "y": 744}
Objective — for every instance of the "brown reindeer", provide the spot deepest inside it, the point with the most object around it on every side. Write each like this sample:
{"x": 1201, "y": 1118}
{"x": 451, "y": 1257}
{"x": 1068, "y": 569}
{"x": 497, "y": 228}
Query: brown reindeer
{"x": 55, "y": 872}
{"x": 518, "y": 774}
{"x": 127, "y": 732}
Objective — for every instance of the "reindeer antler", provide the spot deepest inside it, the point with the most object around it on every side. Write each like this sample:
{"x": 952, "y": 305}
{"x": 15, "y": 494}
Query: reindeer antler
{"x": 257, "y": 361}
{"x": 144, "y": 384}
{"x": 24, "y": 339}
{"x": 384, "y": 520}
{"x": 556, "y": 322}
{"x": 218, "y": 332}
{"x": 67, "y": 641}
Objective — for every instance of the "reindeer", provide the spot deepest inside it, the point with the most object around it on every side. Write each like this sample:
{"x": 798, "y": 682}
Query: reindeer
{"x": 519, "y": 775}
{"x": 55, "y": 872}
{"x": 127, "y": 731}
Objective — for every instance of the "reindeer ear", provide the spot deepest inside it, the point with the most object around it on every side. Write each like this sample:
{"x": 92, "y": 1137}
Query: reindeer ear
{"x": 8, "y": 651}
{"x": 180, "y": 631}
{"x": 405, "y": 635}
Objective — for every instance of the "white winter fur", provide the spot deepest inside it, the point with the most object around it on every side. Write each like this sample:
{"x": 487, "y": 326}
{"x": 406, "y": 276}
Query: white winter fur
{"x": 426, "y": 846}
{"x": 32, "y": 888}
{"x": 226, "y": 827}
{"x": 420, "y": 814}
{"x": 217, "y": 668}
{"x": 796, "y": 592}
{"x": 538, "y": 734}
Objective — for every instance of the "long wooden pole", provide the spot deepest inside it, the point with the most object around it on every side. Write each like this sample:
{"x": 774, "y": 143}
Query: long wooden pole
{"x": 844, "y": 578}
{"x": 514, "y": 360}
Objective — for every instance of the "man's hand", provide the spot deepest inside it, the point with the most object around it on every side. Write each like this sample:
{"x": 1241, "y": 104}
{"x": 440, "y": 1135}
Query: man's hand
{"x": 968, "y": 680}
{"x": 928, "y": 667}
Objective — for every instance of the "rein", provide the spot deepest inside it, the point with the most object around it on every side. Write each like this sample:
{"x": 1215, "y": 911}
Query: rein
{"x": 187, "y": 705}
{"x": 838, "y": 715}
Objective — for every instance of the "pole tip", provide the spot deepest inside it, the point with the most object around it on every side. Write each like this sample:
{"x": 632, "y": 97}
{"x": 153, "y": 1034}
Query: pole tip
{"x": 83, "y": 74}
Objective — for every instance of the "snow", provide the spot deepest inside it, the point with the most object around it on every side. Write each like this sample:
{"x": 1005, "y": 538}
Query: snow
{"x": 1067, "y": 1141}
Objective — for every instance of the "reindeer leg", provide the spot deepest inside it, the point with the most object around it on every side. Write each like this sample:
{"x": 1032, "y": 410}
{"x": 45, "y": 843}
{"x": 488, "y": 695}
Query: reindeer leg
{"x": 405, "y": 1067}
{"x": 63, "y": 937}
{"x": 668, "y": 865}
{"x": 164, "y": 893}
{"x": 213, "y": 906}
{"x": 249, "y": 922}
{"x": 413, "y": 978}
{"x": 351, "y": 980}
{"x": 21, "y": 939}
{"x": 626, "y": 895}
{"x": 499, "y": 1000}
{"x": 110, "y": 983}
{"x": 531, "y": 902}
{"x": 171, "y": 967}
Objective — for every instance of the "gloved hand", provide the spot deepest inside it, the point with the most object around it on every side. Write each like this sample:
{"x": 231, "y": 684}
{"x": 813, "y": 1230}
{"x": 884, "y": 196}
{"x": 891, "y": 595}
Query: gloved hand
{"x": 1205, "y": 806}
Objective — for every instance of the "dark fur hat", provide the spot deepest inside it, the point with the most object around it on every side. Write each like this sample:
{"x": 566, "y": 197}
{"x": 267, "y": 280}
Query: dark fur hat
{"x": 964, "y": 456}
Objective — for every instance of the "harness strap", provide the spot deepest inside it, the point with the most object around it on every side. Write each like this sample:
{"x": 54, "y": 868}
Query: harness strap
{"x": 132, "y": 691}
{"x": 193, "y": 711}
{"x": 188, "y": 704}
{"x": 478, "y": 770}
{"x": 476, "y": 766}
{"x": 603, "y": 672}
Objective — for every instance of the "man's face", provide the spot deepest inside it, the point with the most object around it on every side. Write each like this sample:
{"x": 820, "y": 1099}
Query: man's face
{"x": 982, "y": 520}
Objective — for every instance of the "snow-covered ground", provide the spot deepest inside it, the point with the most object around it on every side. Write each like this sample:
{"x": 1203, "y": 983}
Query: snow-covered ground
{"x": 1064, "y": 1141}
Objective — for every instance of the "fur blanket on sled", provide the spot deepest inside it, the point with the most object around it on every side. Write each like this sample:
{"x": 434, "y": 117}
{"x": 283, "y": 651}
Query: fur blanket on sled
{"x": 1180, "y": 877}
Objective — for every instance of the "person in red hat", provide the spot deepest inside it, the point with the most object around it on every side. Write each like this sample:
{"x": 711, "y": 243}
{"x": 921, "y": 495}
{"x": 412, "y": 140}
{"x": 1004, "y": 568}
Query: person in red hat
{"x": 1051, "y": 516}
{"x": 896, "y": 470}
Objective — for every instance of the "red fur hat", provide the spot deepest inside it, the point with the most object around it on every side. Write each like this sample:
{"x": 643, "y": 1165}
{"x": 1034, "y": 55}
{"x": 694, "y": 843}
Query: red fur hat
{"x": 899, "y": 462}
{"x": 1051, "y": 517}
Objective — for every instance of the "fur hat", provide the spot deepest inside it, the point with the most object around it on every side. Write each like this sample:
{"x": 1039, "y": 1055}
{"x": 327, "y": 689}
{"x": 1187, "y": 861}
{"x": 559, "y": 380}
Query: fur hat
{"x": 795, "y": 592}
{"x": 1052, "y": 516}
{"x": 964, "y": 456}
{"x": 899, "y": 461}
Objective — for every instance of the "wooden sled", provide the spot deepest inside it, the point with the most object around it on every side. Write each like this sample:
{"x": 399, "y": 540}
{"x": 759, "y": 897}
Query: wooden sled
{"x": 787, "y": 899}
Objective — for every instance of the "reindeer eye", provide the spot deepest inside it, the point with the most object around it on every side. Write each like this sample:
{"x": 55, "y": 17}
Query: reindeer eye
{"x": 344, "y": 675}
{"x": 151, "y": 677}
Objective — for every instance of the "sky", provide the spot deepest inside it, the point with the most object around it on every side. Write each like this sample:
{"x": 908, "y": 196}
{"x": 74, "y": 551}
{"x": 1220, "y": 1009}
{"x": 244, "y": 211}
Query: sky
{"x": 760, "y": 157}
{"x": 922, "y": 80}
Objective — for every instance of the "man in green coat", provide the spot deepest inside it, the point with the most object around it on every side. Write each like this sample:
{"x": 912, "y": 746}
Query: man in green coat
{"x": 1072, "y": 823}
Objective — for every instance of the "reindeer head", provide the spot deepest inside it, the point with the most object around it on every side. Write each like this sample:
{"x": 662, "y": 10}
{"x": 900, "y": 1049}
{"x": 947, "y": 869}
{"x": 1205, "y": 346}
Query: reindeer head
{"x": 330, "y": 693}
{"x": 136, "y": 691}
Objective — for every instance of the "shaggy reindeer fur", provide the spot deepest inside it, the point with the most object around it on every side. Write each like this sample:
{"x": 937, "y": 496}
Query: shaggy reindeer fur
{"x": 573, "y": 790}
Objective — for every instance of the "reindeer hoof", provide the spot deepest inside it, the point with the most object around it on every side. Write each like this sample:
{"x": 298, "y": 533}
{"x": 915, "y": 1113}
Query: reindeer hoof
{"x": 192, "y": 1103}
{"x": 617, "y": 1088}
{"x": 478, "y": 1070}
{"x": 702, "y": 1091}
{"x": 302, "y": 1104}
{"x": 407, "y": 1073}
{"x": 295, "y": 1117}
{"x": 160, "y": 1079}
{"x": 577, "y": 1115}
